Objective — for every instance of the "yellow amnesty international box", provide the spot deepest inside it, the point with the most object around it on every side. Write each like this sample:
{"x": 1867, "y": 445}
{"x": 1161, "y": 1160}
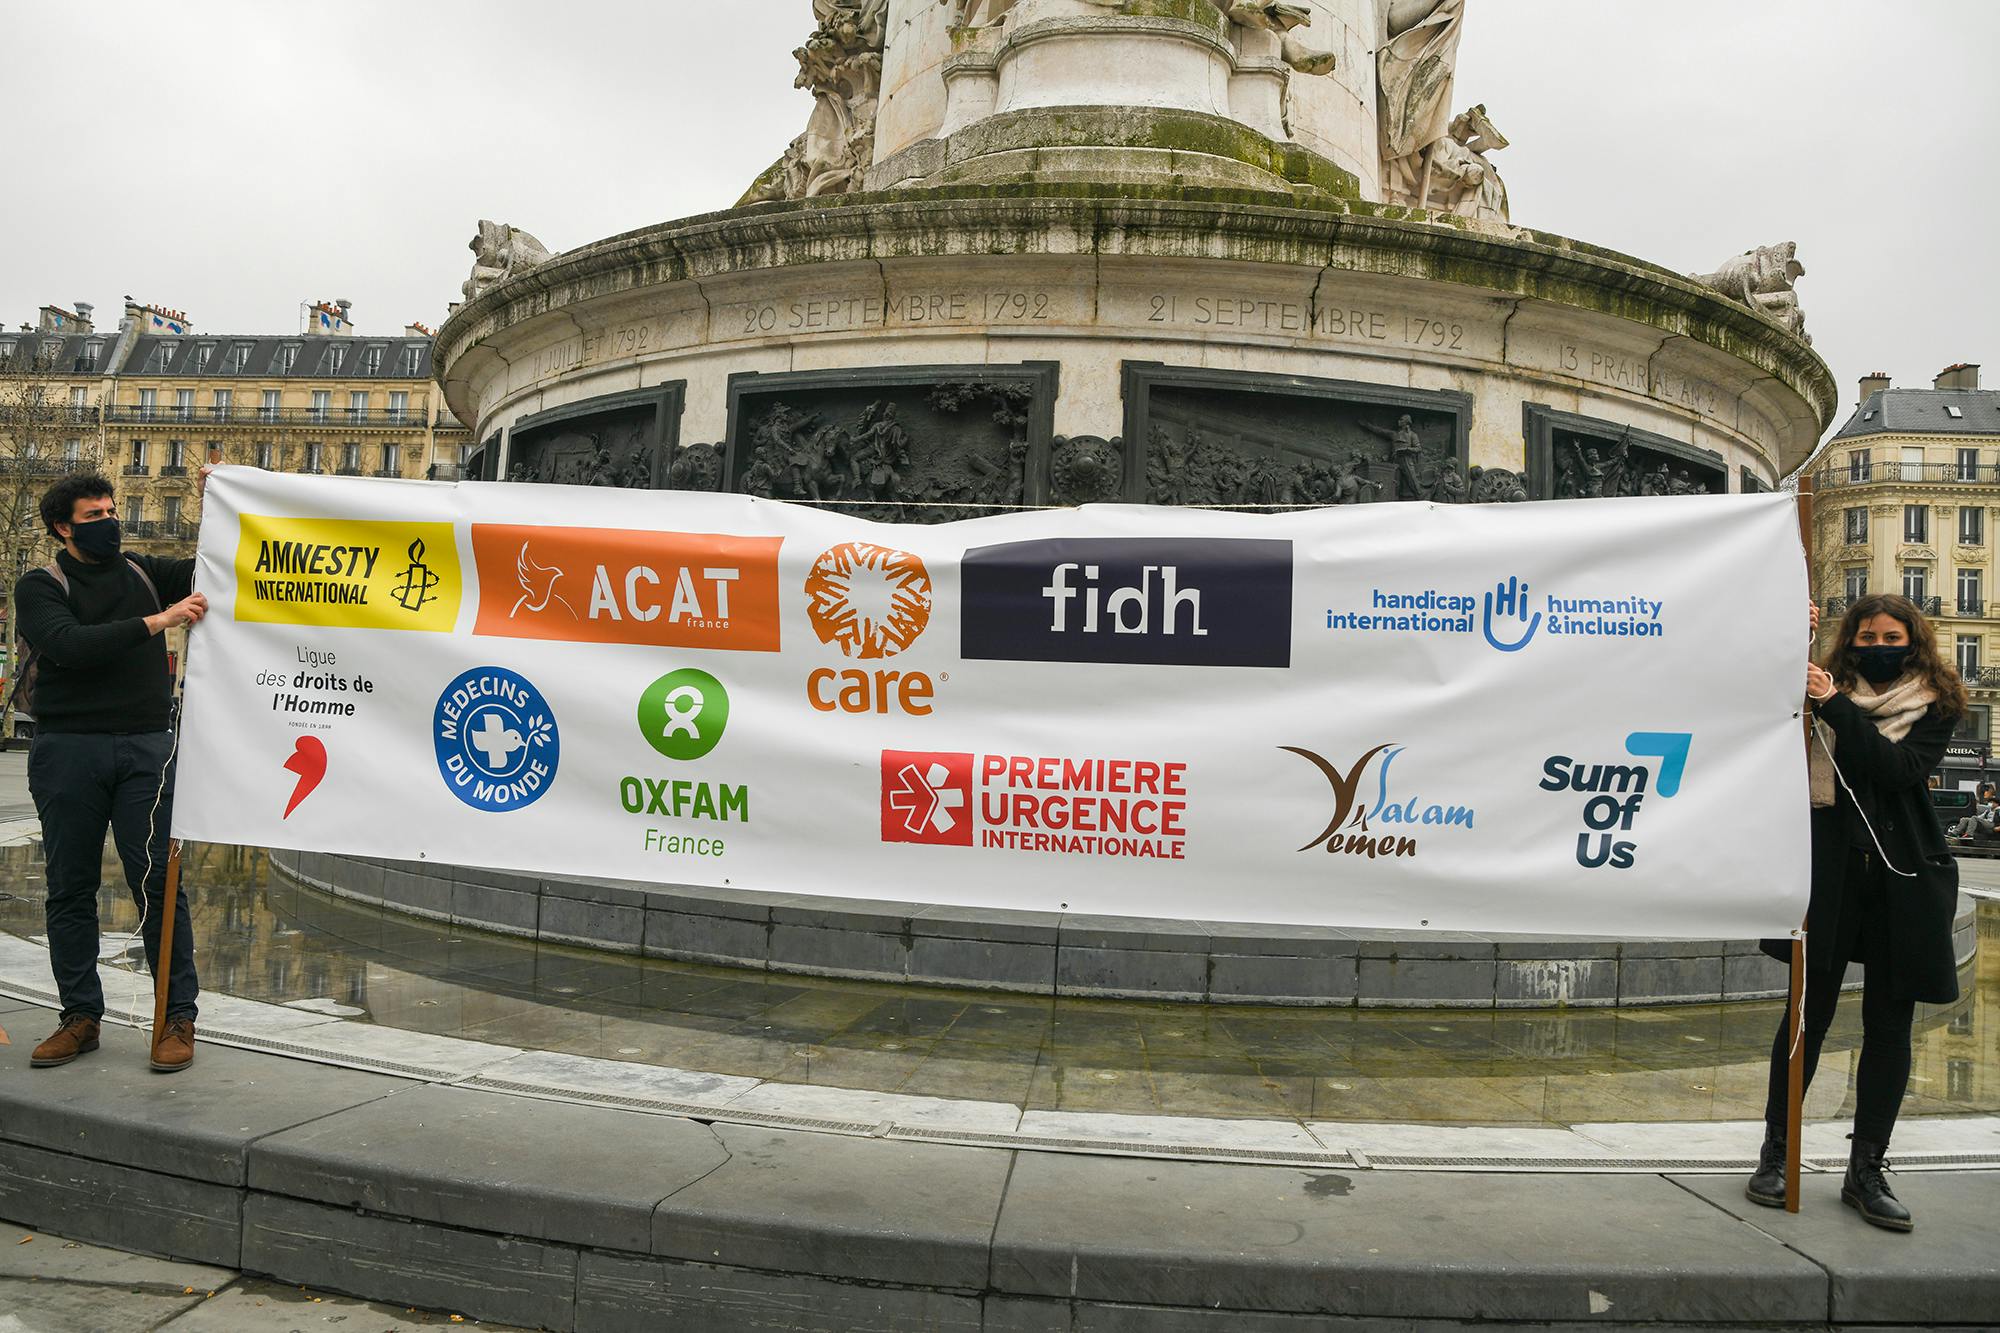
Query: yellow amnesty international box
{"x": 347, "y": 573}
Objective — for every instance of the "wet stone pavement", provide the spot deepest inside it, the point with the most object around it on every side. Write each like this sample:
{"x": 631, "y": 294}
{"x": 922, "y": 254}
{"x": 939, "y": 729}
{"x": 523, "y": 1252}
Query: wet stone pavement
{"x": 263, "y": 937}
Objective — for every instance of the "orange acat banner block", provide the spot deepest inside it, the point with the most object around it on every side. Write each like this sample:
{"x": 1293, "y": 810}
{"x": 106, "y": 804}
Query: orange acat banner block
{"x": 662, "y": 589}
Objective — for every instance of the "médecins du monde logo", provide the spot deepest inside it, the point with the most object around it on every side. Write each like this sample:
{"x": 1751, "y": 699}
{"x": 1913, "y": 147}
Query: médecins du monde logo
{"x": 496, "y": 739}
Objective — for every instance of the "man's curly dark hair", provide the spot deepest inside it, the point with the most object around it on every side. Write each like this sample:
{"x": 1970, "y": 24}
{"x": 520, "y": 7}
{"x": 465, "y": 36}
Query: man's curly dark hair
{"x": 59, "y": 500}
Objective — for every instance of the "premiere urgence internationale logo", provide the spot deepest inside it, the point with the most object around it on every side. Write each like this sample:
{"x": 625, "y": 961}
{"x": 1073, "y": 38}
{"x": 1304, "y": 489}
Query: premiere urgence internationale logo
{"x": 496, "y": 739}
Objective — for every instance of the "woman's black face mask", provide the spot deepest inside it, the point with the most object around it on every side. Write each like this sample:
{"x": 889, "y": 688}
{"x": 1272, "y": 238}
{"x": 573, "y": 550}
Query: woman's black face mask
{"x": 1881, "y": 663}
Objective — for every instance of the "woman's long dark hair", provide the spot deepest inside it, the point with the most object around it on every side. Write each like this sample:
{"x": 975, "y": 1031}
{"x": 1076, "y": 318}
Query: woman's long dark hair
{"x": 1923, "y": 660}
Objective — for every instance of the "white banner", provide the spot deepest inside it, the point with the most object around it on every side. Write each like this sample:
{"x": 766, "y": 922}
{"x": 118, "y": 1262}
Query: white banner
{"x": 1571, "y": 717}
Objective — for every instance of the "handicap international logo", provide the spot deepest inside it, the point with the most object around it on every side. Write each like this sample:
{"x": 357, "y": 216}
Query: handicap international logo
{"x": 1506, "y": 615}
{"x": 347, "y": 573}
{"x": 868, "y": 600}
{"x": 683, "y": 713}
{"x": 927, "y": 797}
{"x": 496, "y": 737}
{"x": 601, "y": 585}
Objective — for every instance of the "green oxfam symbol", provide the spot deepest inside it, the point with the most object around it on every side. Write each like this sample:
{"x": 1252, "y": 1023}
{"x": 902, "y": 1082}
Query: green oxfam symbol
{"x": 683, "y": 713}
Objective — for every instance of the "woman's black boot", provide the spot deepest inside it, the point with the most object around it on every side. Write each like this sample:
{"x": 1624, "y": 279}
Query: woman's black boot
{"x": 1866, "y": 1189}
{"x": 1768, "y": 1185}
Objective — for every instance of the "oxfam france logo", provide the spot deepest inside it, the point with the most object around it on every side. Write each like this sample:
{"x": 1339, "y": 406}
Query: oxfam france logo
{"x": 683, "y": 713}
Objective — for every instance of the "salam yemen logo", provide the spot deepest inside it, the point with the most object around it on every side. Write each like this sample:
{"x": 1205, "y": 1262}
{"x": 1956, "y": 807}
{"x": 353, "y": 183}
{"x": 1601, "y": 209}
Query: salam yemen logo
{"x": 1398, "y": 816}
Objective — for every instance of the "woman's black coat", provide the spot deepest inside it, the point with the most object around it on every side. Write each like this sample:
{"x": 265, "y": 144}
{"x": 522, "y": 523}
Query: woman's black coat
{"x": 1921, "y": 965}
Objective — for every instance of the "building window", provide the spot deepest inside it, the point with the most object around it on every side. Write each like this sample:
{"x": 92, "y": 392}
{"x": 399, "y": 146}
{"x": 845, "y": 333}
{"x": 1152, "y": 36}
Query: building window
{"x": 73, "y": 453}
{"x": 135, "y": 514}
{"x": 392, "y": 465}
{"x": 1916, "y": 523}
{"x": 288, "y": 356}
{"x": 88, "y": 360}
{"x": 1968, "y": 656}
{"x": 1969, "y": 601}
{"x": 202, "y": 355}
{"x": 1913, "y": 462}
{"x": 264, "y": 461}
{"x": 357, "y": 410}
{"x": 399, "y": 407}
{"x": 184, "y": 404}
{"x": 1968, "y": 465}
{"x": 221, "y": 413}
{"x": 1971, "y": 526}
{"x": 334, "y": 357}
{"x": 322, "y": 403}
{"x": 371, "y": 364}
{"x": 312, "y": 457}
{"x": 1976, "y": 726}
{"x": 147, "y": 399}
{"x": 350, "y": 461}
{"x": 413, "y": 357}
{"x": 176, "y": 457}
{"x": 1857, "y": 582}
{"x": 171, "y": 506}
{"x": 138, "y": 459}
{"x": 79, "y": 399}
{"x": 239, "y": 359}
{"x": 1916, "y": 584}
{"x": 270, "y": 405}
{"x": 1857, "y": 526}
{"x": 167, "y": 351}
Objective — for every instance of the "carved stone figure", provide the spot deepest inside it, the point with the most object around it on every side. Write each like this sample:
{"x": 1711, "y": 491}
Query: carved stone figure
{"x": 1762, "y": 279}
{"x": 499, "y": 252}
{"x": 1406, "y": 448}
{"x": 1087, "y": 469}
{"x": 1276, "y": 16}
{"x": 841, "y": 64}
{"x": 1414, "y": 67}
{"x": 1462, "y": 177}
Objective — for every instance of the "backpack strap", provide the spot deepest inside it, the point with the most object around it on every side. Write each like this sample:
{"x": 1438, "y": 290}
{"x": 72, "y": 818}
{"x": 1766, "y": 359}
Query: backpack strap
{"x": 146, "y": 579}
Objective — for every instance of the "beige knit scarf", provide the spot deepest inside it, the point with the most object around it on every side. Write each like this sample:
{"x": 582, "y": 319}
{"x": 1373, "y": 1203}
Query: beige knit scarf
{"x": 1893, "y": 710}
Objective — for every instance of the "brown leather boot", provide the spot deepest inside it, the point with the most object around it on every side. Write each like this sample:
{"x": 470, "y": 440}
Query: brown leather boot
{"x": 174, "y": 1050}
{"x": 76, "y": 1035}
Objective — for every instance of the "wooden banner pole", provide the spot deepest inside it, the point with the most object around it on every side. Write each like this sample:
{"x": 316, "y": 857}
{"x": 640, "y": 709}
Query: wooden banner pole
{"x": 163, "y": 957}
{"x": 1795, "y": 1073}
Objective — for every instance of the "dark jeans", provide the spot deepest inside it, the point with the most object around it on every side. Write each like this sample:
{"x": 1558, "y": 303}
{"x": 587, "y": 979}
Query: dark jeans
{"x": 1886, "y": 1018}
{"x": 82, "y": 784}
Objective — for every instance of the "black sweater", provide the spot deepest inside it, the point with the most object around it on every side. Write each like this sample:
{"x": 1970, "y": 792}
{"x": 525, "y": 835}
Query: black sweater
{"x": 99, "y": 670}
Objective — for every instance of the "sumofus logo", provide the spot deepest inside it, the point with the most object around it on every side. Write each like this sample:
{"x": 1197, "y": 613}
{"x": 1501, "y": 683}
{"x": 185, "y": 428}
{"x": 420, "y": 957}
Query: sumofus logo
{"x": 496, "y": 739}
{"x": 1371, "y": 812}
{"x": 683, "y": 713}
{"x": 1615, "y": 792}
{"x": 871, "y": 602}
{"x": 1179, "y": 601}
{"x": 347, "y": 573}
{"x": 658, "y": 589}
{"x": 1036, "y": 803}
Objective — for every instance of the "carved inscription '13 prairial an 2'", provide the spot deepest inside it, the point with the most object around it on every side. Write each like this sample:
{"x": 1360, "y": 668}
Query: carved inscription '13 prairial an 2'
{"x": 1359, "y": 324}
{"x": 917, "y": 307}
{"x": 1632, "y": 372}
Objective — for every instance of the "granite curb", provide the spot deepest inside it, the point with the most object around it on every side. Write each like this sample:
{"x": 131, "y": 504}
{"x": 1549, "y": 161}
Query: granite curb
{"x": 581, "y": 1217}
{"x": 1054, "y": 953}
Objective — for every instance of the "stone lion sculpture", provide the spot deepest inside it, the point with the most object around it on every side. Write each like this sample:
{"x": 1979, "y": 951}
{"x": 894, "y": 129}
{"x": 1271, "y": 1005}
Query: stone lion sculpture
{"x": 1762, "y": 279}
{"x": 499, "y": 252}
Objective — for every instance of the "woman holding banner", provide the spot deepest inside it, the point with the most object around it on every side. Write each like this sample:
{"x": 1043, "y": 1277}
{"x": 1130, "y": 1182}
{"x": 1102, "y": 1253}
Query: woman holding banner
{"x": 1884, "y": 887}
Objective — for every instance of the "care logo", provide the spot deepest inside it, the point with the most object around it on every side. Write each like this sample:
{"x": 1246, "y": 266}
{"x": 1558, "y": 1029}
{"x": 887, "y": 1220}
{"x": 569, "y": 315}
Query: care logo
{"x": 1616, "y": 791}
{"x": 1371, "y": 813}
{"x": 871, "y": 602}
{"x": 683, "y": 713}
{"x": 1171, "y": 601}
{"x": 654, "y": 588}
{"x": 496, "y": 739}
{"x": 347, "y": 573}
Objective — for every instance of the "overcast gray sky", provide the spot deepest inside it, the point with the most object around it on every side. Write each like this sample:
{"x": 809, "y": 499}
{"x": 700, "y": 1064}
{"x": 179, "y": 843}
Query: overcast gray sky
{"x": 235, "y": 159}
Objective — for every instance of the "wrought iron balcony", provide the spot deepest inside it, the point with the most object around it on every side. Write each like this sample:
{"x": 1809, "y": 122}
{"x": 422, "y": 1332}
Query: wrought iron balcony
{"x": 173, "y": 470}
{"x": 1969, "y": 610}
{"x": 137, "y": 470}
{"x": 1889, "y": 473}
{"x": 33, "y": 466}
{"x": 375, "y": 418}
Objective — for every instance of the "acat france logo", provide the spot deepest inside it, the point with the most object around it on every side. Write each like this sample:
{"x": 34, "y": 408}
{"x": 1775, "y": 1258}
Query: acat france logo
{"x": 496, "y": 738}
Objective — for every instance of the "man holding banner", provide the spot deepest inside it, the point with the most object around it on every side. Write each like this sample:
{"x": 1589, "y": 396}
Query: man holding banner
{"x": 104, "y": 752}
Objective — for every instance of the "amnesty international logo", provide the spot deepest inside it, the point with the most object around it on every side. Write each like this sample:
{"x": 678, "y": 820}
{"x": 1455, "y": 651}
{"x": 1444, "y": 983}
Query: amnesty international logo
{"x": 347, "y": 573}
{"x": 868, "y": 600}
